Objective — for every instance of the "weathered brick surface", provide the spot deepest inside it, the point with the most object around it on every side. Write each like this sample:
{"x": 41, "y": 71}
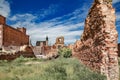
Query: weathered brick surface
{"x": 119, "y": 49}
{"x": 14, "y": 37}
{"x": 11, "y": 36}
{"x": 2, "y": 20}
{"x": 9, "y": 56}
{"x": 27, "y": 52}
{"x": 59, "y": 42}
{"x": 98, "y": 45}
{"x": 11, "y": 40}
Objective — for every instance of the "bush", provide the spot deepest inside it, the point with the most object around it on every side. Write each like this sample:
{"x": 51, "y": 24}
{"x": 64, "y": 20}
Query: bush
{"x": 65, "y": 52}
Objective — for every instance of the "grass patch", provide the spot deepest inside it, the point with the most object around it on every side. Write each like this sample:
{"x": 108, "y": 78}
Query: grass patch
{"x": 58, "y": 69}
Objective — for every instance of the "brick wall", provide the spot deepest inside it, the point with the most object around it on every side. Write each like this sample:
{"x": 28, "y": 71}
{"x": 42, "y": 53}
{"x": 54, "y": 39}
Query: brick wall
{"x": 98, "y": 48}
{"x": 12, "y": 36}
{"x": 1, "y": 35}
{"x": 119, "y": 49}
{"x": 2, "y": 19}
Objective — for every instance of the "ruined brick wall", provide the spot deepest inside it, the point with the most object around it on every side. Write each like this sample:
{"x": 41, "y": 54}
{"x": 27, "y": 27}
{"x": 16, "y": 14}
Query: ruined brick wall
{"x": 22, "y": 29}
{"x": 119, "y": 49}
{"x": 16, "y": 51}
{"x": 11, "y": 40}
{"x": 1, "y": 35}
{"x": 9, "y": 57}
{"x": 2, "y": 19}
{"x": 14, "y": 37}
{"x": 59, "y": 42}
{"x": 2, "y": 22}
{"x": 98, "y": 45}
{"x": 27, "y": 52}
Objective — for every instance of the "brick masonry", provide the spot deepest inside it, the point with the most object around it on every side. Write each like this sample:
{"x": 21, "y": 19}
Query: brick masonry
{"x": 97, "y": 47}
{"x": 119, "y": 49}
{"x": 11, "y": 36}
{"x": 59, "y": 42}
{"x": 13, "y": 42}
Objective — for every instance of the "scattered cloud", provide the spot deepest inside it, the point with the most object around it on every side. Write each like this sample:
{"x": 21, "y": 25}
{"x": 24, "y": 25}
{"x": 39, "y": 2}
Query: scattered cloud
{"x": 4, "y": 8}
{"x": 115, "y": 1}
{"x": 22, "y": 17}
{"x": 52, "y": 9}
{"x": 118, "y": 16}
{"x": 70, "y": 25}
{"x": 52, "y": 28}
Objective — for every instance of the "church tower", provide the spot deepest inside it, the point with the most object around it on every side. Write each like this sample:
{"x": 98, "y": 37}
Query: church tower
{"x": 46, "y": 40}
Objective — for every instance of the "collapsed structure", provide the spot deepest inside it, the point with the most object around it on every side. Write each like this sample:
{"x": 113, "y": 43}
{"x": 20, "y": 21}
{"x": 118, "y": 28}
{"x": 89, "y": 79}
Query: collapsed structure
{"x": 98, "y": 45}
{"x": 119, "y": 50}
{"x": 97, "y": 48}
{"x": 11, "y": 36}
{"x": 13, "y": 41}
{"x": 59, "y": 42}
{"x": 42, "y": 47}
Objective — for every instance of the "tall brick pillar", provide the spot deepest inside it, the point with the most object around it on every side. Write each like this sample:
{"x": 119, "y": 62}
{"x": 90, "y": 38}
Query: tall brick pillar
{"x": 2, "y": 20}
{"x": 2, "y": 23}
{"x": 1, "y": 36}
{"x": 98, "y": 45}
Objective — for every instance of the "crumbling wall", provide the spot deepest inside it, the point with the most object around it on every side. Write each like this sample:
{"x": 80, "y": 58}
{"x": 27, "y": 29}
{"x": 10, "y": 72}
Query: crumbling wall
{"x": 9, "y": 57}
{"x": 59, "y": 42}
{"x": 13, "y": 52}
{"x": 12, "y": 36}
{"x": 98, "y": 45}
{"x": 119, "y": 49}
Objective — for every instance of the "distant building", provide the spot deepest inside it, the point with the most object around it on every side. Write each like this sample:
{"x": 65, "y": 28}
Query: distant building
{"x": 59, "y": 42}
{"x": 11, "y": 36}
{"x": 13, "y": 42}
{"x": 42, "y": 43}
{"x": 40, "y": 47}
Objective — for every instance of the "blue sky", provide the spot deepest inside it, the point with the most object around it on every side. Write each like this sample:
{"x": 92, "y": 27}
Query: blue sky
{"x": 51, "y": 18}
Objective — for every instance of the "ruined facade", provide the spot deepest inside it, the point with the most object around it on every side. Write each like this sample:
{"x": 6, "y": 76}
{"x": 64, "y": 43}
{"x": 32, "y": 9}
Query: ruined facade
{"x": 39, "y": 48}
{"x": 11, "y": 36}
{"x": 13, "y": 42}
{"x": 98, "y": 45}
{"x": 42, "y": 47}
{"x": 42, "y": 43}
{"x": 59, "y": 42}
{"x": 119, "y": 49}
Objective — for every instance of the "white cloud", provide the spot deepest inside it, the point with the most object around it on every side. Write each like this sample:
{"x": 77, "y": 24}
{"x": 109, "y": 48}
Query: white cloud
{"x": 23, "y": 20}
{"x": 52, "y": 28}
{"x": 4, "y": 8}
{"x": 51, "y": 10}
{"x": 118, "y": 16}
{"x": 115, "y": 1}
{"x": 23, "y": 17}
{"x": 71, "y": 28}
